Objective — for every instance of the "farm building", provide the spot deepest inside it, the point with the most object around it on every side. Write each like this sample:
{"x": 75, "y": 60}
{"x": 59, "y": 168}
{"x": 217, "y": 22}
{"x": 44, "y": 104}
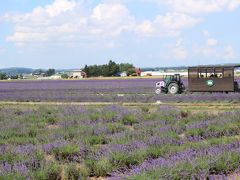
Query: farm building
{"x": 162, "y": 73}
{"x": 138, "y": 71}
{"x": 56, "y": 76}
{"x": 123, "y": 74}
{"x": 39, "y": 74}
{"x": 28, "y": 76}
{"x": 77, "y": 74}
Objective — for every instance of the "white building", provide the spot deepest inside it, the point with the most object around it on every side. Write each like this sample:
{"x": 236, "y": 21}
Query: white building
{"x": 123, "y": 74}
{"x": 56, "y": 76}
{"x": 77, "y": 74}
{"x": 28, "y": 76}
{"x": 160, "y": 73}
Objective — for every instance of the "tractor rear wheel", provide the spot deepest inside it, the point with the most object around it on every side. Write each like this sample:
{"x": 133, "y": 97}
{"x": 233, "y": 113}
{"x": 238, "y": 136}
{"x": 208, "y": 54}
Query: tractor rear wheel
{"x": 173, "y": 88}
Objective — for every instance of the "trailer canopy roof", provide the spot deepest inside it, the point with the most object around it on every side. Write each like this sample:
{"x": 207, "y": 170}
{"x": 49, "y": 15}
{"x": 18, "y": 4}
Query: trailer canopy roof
{"x": 217, "y": 66}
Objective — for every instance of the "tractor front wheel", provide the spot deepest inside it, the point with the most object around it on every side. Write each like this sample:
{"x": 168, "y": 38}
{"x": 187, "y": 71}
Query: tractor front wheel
{"x": 158, "y": 91}
{"x": 173, "y": 88}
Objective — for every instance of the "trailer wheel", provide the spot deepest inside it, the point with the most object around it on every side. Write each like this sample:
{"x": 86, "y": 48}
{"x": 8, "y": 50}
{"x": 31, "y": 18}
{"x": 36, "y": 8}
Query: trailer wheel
{"x": 173, "y": 88}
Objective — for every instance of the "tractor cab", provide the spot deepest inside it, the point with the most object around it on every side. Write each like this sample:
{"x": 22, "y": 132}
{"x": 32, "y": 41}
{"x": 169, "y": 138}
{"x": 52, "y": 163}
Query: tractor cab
{"x": 171, "y": 78}
{"x": 170, "y": 84}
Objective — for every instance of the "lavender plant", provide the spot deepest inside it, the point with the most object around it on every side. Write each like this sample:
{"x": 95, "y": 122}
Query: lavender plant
{"x": 116, "y": 142}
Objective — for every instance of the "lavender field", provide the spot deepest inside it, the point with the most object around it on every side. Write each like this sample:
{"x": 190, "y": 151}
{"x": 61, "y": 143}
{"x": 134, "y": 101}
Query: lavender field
{"x": 116, "y": 142}
{"x": 58, "y": 142}
{"x": 118, "y": 90}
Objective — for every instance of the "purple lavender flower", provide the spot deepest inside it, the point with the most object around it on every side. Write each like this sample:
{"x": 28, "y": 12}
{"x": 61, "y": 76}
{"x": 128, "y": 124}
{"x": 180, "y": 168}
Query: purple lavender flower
{"x": 157, "y": 141}
{"x": 20, "y": 168}
{"x": 187, "y": 155}
{"x": 57, "y": 144}
{"x": 24, "y": 149}
{"x": 133, "y": 90}
{"x": 131, "y": 147}
{"x": 5, "y": 167}
{"x": 4, "y": 148}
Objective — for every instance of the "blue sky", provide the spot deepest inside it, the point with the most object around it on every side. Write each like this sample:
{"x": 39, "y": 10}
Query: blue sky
{"x": 147, "y": 33}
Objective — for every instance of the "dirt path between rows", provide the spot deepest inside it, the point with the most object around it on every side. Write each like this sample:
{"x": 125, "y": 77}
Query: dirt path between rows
{"x": 194, "y": 106}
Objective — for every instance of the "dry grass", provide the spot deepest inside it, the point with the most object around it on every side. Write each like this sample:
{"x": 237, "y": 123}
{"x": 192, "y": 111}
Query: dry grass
{"x": 52, "y": 126}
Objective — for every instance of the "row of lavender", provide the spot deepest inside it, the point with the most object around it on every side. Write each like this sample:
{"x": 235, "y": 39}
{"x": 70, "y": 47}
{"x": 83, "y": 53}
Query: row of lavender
{"x": 128, "y": 90}
{"x": 117, "y": 142}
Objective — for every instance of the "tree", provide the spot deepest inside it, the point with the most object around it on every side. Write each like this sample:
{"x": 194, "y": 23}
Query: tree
{"x": 3, "y": 76}
{"x": 38, "y": 71}
{"x": 64, "y": 76}
{"x": 20, "y": 76}
{"x": 125, "y": 67}
{"x": 107, "y": 70}
{"x": 14, "y": 77}
{"x": 86, "y": 70}
{"x": 131, "y": 71}
{"x": 50, "y": 72}
{"x": 113, "y": 68}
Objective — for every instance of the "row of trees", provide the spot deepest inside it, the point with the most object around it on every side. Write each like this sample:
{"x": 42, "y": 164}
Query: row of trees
{"x": 49, "y": 72}
{"x": 4, "y": 76}
{"x": 106, "y": 70}
{"x": 110, "y": 69}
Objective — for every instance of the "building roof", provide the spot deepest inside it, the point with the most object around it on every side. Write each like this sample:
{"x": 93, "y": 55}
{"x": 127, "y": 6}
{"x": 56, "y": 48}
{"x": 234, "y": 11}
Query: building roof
{"x": 77, "y": 70}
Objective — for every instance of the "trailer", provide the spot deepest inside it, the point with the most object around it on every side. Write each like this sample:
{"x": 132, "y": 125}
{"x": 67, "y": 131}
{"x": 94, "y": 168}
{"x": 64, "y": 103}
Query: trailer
{"x": 212, "y": 78}
{"x": 218, "y": 78}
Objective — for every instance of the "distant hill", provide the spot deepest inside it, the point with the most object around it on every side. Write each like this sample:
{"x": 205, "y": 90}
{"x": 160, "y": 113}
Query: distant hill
{"x": 15, "y": 71}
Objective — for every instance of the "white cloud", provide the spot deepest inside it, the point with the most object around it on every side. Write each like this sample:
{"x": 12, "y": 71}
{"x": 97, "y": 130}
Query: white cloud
{"x": 170, "y": 24}
{"x": 220, "y": 52}
{"x": 214, "y": 48}
{"x": 234, "y": 4}
{"x": 146, "y": 28}
{"x": 111, "y": 45}
{"x": 175, "y": 21}
{"x": 206, "y": 33}
{"x": 179, "y": 51}
{"x": 111, "y": 19}
{"x": 206, "y": 51}
{"x": 58, "y": 7}
{"x": 211, "y": 42}
{"x": 49, "y": 23}
{"x": 229, "y": 52}
{"x": 201, "y": 6}
{"x": 69, "y": 20}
